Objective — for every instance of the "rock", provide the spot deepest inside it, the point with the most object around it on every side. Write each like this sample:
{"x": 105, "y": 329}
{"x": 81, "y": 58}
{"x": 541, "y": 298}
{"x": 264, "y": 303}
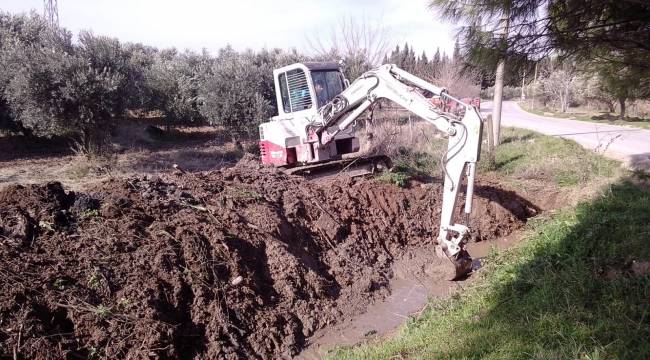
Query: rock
{"x": 641, "y": 267}
{"x": 236, "y": 281}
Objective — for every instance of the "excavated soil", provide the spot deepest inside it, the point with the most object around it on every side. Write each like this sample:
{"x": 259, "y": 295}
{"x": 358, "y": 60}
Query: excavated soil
{"x": 245, "y": 262}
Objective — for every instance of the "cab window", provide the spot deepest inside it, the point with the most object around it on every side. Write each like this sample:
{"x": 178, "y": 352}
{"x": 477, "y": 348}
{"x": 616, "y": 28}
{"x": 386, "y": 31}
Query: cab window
{"x": 294, "y": 91}
{"x": 327, "y": 84}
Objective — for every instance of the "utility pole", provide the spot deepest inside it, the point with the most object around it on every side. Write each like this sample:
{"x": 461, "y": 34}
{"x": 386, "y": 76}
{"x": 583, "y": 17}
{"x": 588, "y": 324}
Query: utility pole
{"x": 51, "y": 11}
{"x": 523, "y": 86}
{"x": 532, "y": 106}
{"x": 498, "y": 81}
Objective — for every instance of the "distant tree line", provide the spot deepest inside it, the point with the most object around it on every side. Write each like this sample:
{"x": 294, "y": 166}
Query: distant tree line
{"x": 450, "y": 72}
{"x": 51, "y": 85}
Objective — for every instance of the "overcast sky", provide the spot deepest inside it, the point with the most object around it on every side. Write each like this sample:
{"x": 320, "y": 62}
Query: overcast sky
{"x": 197, "y": 24}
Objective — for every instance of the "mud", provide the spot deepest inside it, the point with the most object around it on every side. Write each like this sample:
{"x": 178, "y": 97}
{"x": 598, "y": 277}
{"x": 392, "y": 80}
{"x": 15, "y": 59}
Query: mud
{"x": 245, "y": 262}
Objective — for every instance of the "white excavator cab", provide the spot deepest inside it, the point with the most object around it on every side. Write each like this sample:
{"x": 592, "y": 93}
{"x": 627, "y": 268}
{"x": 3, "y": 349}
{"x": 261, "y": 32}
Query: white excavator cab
{"x": 301, "y": 90}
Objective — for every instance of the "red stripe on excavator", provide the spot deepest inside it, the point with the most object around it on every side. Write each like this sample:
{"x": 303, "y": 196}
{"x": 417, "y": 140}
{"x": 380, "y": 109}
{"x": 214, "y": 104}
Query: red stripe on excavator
{"x": 273, "y": 153}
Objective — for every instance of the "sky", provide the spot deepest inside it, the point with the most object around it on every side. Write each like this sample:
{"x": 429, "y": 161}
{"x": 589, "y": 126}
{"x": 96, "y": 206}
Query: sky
{"x": 255, "y": 24}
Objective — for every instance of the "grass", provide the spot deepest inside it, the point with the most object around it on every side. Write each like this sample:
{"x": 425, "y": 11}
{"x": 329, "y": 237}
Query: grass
{"x": 595, "y": 117}
{"x": 551, "y": 297}
{"x": 522, "y": 157}
{"x": 527, "y": 155}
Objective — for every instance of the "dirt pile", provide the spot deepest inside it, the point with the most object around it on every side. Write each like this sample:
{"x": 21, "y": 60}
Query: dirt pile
{"x": 244, "y": 262}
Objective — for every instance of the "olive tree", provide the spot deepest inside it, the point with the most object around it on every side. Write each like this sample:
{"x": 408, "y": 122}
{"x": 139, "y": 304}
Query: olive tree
{"x": 234, "y": 93}
{"x": 174, "y": 85}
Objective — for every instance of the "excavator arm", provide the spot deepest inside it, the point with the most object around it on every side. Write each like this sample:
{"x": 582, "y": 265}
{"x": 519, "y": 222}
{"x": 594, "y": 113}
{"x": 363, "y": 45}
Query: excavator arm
{"x": 464, "y": 135}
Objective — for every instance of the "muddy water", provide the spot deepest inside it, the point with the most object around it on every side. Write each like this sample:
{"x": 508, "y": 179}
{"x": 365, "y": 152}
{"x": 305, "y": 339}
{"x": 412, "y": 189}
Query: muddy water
{"x": 418, "y": 276}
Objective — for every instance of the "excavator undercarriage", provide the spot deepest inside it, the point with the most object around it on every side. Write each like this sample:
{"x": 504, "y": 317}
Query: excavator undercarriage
{"x": 352, "y": 167}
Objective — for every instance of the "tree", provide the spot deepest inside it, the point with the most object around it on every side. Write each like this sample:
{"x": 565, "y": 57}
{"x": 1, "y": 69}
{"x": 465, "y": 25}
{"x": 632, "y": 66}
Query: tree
{"x": 407, "y": 58}
{"x": 422, "y": 63}
{"x": 231, "y": 95}
{"x": 460, "y": 82}
{"x": 173, "y": 81}
{"x": 624, "y": 83}
{"x": 361, "y": 45}
{"x": 456, "y": 56}
{"x": 436, "y": 62}
{"x": 395, "y": 56}
{"x": 613, "y": 31}
{"x": 587, "y": 29}
{"x": 560, "y": 83}
{"x": 31, "y": 59}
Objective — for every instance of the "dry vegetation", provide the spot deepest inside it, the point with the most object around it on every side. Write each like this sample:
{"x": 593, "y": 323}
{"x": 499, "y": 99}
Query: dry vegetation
{"x": 138, "y": 150}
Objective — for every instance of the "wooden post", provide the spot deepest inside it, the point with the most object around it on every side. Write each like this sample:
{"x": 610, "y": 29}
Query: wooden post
{"x": 491, "y": 145}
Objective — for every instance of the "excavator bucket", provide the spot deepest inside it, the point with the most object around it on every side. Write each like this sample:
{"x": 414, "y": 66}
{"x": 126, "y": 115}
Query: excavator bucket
{"x": 461, "y": 264}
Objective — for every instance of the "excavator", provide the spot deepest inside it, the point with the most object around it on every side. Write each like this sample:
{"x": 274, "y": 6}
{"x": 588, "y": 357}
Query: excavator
{"x": 317, "y": 113}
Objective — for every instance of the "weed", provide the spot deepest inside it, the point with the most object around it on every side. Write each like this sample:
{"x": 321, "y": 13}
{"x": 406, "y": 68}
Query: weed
{"x": 370, "y": 333}
{"x": 94, "y": 281}
{"x": 90, "y": 214}
{"x": 249, "y": 194}
{"x": 60, "y": 283}
{"x": 396, "y": 178}
{"x": 103, "y": 311}
{"x": 94, "y": 353}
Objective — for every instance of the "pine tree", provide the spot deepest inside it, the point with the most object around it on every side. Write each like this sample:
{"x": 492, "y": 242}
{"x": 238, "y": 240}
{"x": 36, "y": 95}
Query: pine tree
{"x": 456, "y": 55}
{"x": 404, "y": 56}
{"x": 410, "y": 60}
{"x": 395, "y": 56}
{"x": 422, "y": 64}
{"x": 424, "y": 60}
{"x": 435, "y": 62}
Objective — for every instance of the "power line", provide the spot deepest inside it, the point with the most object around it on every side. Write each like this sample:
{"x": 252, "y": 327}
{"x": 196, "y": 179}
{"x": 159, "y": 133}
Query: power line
{"x": 51, "y": 12}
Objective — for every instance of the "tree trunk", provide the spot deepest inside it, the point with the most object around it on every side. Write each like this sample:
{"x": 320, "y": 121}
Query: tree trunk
{"x": 498, "y": 84}
{"x": 621, "y": 102}
{"x": 236, "y": 141}
{"x": 498, "y": 99}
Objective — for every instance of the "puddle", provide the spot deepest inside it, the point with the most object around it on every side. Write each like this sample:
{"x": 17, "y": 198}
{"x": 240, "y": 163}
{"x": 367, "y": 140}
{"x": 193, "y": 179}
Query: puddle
{"x": 418, "y": 276}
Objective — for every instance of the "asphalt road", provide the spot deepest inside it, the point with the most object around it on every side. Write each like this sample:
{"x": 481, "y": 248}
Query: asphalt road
{"x": 628, "y": 144}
